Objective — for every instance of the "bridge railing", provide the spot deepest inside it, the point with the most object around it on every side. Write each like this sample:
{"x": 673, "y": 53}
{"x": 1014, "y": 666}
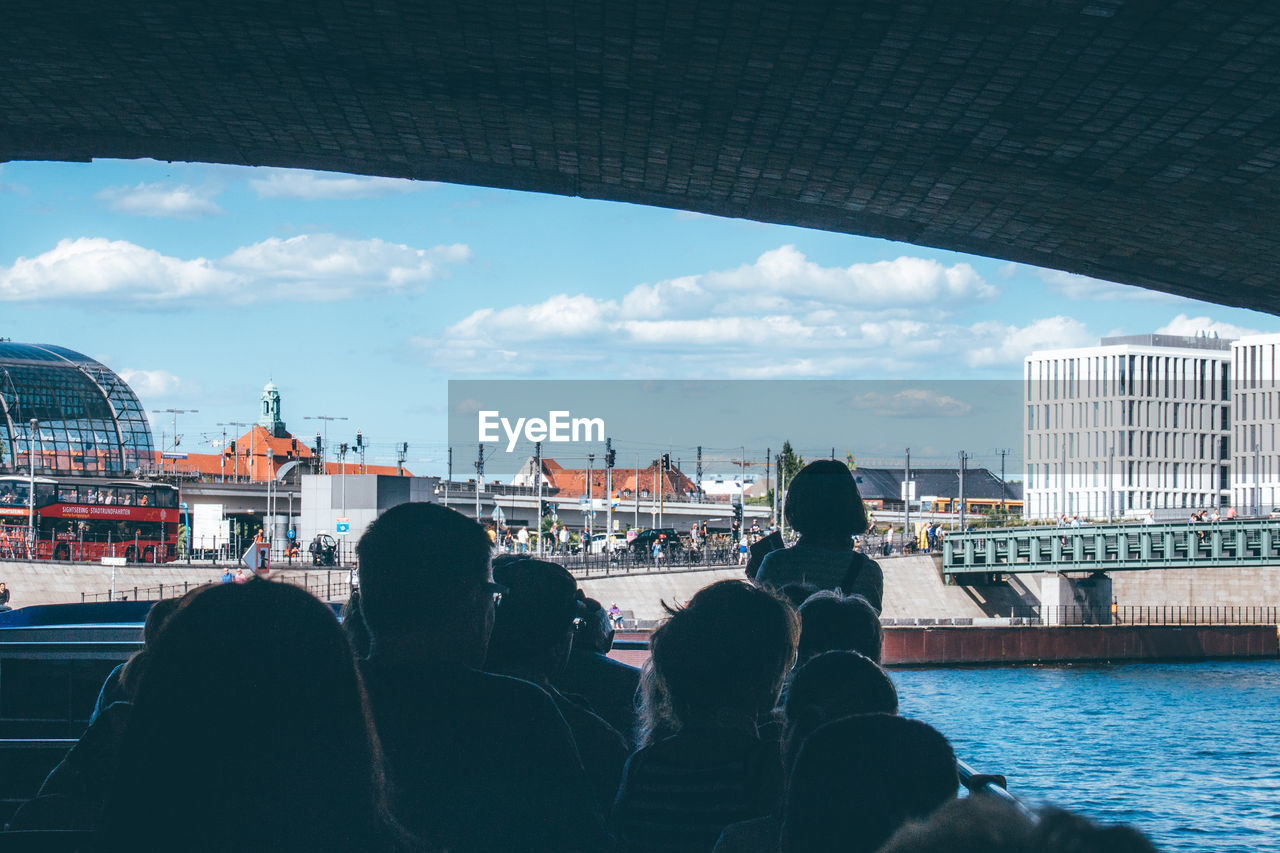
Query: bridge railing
{"x": 324, "y": 585}
{"x": 1183, "y": 544}
{"x": 1121, "y": 615}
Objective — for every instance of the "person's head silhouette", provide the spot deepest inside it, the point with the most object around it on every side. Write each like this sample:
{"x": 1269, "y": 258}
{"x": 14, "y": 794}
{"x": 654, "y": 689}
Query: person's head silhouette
{"x": 823, "y": 502}
{"x": 721, "y": 658}
{"x": 856, "y": 780}
{"x": 425, "y": 587}
{"x": 279, "y": 720}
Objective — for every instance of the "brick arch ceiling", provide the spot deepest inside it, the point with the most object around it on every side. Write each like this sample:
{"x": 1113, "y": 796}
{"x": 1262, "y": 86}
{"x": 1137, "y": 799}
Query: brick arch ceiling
{"x": 1132, "y": 141}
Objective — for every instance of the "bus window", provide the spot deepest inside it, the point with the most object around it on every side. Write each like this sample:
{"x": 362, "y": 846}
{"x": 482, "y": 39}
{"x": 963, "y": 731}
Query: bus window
{"x": 106, "y": 496}
{"x": 124, "y": 497}
{"x": 166, "y": 498}
{"x": 45, "y": 494}
{"x": 13, "y": 493}
{"x": 66, "y": 494}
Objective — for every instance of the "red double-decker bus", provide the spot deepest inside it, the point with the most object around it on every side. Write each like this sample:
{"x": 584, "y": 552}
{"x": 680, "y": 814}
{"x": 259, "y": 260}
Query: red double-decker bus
{"x": 87, "y": 519}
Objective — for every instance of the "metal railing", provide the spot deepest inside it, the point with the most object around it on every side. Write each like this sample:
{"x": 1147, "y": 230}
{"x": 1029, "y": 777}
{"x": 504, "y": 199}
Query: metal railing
{"x": 1183, "y": 544}
{"x": 1119, "y": 615}
{"x": 328, "y": 585}
{"x": 627, "y": 561}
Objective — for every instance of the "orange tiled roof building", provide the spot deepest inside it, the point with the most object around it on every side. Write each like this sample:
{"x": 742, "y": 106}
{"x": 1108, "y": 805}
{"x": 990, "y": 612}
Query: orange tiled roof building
{"x": 572, "y": 482}
{"x": 259, "y": 454}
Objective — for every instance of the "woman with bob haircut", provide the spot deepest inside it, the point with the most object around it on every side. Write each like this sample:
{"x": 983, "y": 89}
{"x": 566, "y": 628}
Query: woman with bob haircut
{"x": 824, "y": 507}
{"x": 716, "y": 667}
{"x": 250, "y": 732}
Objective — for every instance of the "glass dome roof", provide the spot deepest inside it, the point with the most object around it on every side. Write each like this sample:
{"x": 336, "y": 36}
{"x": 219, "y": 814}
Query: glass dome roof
{"x": 89, "y": 421}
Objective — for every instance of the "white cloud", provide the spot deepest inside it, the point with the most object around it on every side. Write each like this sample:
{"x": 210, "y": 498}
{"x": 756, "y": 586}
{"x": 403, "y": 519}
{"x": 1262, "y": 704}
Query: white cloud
{"x": 181, "y": 202}
{"x": 1081, "y": 287}
{"x": 781, "y": 315}
{"x": 784, "y": 281}
{"x": 1010, "y": 344}
{"x": 93, "y": 267}
{"x": 912, "y": 402}
{"x": 319, "y": 266}
{"x": 313, "y": 186}
{"x": 1191, "y": 326}
{"x": 151, "y": 383}
{"x": 325, "y": 266}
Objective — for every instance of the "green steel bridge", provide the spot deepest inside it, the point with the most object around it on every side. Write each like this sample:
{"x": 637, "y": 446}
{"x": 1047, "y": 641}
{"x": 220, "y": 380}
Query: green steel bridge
{"x": 1113, "y": 547}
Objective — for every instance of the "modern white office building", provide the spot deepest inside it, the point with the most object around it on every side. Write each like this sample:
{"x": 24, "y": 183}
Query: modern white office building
{"x": 1256, "y": 457}
{"x": 1137, "y": 424}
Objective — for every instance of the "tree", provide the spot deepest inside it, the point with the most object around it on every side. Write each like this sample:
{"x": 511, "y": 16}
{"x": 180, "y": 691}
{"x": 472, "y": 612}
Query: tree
{"x": 791, "y": 462}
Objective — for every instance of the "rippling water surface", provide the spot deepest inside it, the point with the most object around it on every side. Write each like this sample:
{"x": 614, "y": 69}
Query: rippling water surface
{"x": 1189, "y": 753}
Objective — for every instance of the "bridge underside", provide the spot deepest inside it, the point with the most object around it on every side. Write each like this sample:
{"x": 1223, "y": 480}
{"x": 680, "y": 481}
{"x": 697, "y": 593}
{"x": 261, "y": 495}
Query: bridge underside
{"x": 1136, "y": 142}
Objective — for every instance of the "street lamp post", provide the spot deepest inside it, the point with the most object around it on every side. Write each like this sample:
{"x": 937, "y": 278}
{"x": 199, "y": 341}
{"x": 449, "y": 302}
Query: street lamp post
{"x": 31, "y": 493}
{"x": 175, "y": 413}
{"x": 224, "y": 447}
{"x": 591, "y": 458}
{"x": 325, "y": 449}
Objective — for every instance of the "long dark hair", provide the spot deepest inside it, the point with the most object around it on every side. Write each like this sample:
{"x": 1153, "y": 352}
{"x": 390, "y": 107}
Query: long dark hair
{"x": 823, "y": 501}
{"x": 249, "y": 730}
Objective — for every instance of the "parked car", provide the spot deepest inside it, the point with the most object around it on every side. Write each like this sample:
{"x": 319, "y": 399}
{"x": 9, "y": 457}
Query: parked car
{"x": 672, "y": 545}
{"x": 599, "y": 544}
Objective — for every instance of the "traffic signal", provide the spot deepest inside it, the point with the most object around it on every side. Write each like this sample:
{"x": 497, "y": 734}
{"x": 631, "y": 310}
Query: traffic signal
{"x": 359, "y": 439}
{"x": 293, "y": 446}
{"x": 231, "y": 447}
{"x": 609, "y": 457}
{"x": 737, "y": 514}
{"x": 666, "y": 462}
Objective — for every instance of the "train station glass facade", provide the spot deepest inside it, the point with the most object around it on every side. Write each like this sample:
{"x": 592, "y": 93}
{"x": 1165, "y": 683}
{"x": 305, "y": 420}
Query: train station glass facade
{"x": 89, "y": 422}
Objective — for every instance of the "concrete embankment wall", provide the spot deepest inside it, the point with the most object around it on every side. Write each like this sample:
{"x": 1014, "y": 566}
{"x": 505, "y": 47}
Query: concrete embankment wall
{"x": 60, "y": 583}
{"x": 945, "y": 645}
{"x": 913, "y": 586}
{"x": 1244, "y": 586}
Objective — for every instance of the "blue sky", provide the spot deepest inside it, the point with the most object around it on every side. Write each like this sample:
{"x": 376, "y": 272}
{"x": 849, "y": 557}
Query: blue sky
{"x": 360, "y": 297}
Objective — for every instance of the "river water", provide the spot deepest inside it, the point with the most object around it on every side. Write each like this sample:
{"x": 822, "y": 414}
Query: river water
{"x": 1188, "y": 753}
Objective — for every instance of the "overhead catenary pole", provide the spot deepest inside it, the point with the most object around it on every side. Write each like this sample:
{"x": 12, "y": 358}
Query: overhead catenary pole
{"x": 699, "y": 486}
{"x": 906, "y": 503}
{"x": 31, "y": 492}
{"x": 324, "y": 448}
{"x": 537, "y": 474}
{"x": 608, "y": 489}
{"x": 768, "y": 461}
{"x": 479, "y": 479}
{"x": 636, "y": 494}
{"x": 964, "y": 458}
{"x": 448, "y": 478}
{"x": 589, "y": 527}
{"x": 777, "y": 492}
{"x": 1003, "y": 488}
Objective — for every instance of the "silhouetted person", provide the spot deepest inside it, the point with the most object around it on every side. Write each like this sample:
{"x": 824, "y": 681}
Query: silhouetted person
{"x": 716, "y": 667}
{"x": 830, "y": 621}
{"x": 71, "y": 796}
{"x": 532, "y": 635}
{"x": 824, "y": 507}
{"x": 268, "y": 749}
{"x": 608, "y": 685}
{"x": 829, "y": 687}
{"x": 856, "y": 780}
{"x": 983, "y": 824}
{"x": 479, "y": 762}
